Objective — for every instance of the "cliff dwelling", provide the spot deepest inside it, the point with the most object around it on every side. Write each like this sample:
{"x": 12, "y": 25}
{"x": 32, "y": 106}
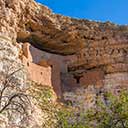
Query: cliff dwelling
{"x": 67, "y": 53}
{"x": 55, "y": 70}
{"x": 63, "y": 72}
{"x": 52, "y": 66}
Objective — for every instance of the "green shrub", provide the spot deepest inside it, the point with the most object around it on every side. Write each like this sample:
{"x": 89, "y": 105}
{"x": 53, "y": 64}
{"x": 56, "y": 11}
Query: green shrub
{"x": 111, "y": 112}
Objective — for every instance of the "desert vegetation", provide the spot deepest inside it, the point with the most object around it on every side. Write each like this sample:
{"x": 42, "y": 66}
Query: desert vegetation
{"x": 110, "y": 111}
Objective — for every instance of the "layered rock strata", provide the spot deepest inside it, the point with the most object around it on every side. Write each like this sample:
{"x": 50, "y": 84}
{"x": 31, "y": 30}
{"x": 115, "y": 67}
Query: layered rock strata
{"x": 96, "y": 53}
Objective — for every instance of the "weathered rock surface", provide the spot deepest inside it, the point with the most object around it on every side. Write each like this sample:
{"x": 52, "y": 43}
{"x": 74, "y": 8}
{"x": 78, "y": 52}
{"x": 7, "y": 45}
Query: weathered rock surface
{"x": 95, "y": 45}
{"x": 28, "y": 21}
{"x": 76, "y": 56}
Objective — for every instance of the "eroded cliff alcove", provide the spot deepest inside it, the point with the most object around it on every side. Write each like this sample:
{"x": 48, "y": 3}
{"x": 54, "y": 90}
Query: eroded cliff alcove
{"x": 84, "y": 52}
{"x": 87, "y": 52}
{"x": 76, "y": 58}
{"x": 64, "y": 52}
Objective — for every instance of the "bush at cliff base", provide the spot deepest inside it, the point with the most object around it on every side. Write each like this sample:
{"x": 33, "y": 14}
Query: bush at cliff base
{"x": 110, "y": 111}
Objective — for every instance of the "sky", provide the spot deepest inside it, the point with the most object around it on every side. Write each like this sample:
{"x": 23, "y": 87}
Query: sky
{"x": 115, "y": 11}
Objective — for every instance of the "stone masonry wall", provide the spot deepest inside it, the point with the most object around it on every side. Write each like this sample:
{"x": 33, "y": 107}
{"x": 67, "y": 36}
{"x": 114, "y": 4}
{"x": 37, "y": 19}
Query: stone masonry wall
{"x": 37, "y": 73}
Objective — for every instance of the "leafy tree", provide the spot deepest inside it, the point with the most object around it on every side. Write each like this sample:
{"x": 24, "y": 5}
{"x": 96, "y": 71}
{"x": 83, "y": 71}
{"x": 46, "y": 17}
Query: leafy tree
{"x": 111, "y": 111}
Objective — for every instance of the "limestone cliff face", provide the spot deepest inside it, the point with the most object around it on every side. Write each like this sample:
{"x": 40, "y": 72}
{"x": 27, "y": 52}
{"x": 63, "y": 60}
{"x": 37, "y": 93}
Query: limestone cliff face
{"x": 77, "y": 57}
{"x": 97, "y": 47}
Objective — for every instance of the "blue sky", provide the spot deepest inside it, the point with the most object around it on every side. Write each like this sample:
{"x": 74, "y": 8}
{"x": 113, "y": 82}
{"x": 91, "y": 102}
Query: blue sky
{"x": 100, "y": 10}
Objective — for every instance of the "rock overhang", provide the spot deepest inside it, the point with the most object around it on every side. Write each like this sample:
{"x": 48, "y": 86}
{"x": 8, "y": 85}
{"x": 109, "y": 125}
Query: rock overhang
{"x": 95, "y": 44}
